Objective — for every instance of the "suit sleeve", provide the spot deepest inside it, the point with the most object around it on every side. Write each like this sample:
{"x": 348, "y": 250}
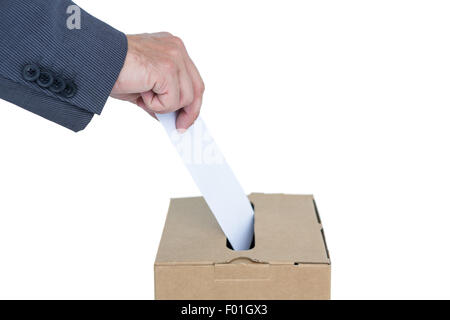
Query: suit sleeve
{"x": 55, "y": 65}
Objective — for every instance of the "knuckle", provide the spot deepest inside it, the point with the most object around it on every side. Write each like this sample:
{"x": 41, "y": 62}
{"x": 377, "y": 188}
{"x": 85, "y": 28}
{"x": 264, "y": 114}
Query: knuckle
{"x": 174, "y": 52}
{"x": 178, "y": 41}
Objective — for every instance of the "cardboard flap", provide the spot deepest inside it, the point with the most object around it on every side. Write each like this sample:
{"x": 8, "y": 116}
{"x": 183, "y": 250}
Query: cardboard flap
{"x": 287, "y": 231}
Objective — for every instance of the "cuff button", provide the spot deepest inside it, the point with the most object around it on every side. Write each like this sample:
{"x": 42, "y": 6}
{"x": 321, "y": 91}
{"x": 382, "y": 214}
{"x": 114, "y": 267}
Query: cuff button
{"x": 70, "y": 90}
{"x": 58, "y": 85}
{"x": 45, "y": 79}
{"x": 30, "y": 72}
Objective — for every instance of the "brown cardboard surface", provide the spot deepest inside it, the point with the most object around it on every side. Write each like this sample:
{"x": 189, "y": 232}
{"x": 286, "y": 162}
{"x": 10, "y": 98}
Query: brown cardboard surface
{"x": 289, "y": 260}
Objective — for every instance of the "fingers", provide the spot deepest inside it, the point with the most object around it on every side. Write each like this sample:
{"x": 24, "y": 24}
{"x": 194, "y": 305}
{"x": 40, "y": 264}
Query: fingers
{"x": 190, "y": 112}
{"x": 187, "y": 116}
{"x": 173, "y": 88}
{"x": 165, "y": 95}
{"x": 186, "y": 87}
{"x": 160, "y": 77}
{"x": 176, "y": 93}
{"x": 141, "y": 104}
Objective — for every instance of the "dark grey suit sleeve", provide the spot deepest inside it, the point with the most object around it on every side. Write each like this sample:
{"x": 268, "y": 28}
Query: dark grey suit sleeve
{"x": 64, "y": 75}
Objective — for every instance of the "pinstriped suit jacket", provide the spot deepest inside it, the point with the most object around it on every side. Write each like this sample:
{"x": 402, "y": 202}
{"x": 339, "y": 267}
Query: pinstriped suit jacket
{"x": 64, "y": 75}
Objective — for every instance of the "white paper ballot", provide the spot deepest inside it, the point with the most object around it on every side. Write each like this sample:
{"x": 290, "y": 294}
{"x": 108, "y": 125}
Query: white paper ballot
{"x": 220, "y": 188}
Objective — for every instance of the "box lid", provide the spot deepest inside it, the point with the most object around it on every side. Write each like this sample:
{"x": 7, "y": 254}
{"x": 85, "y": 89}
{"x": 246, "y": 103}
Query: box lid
{"x": 287, "y": 231}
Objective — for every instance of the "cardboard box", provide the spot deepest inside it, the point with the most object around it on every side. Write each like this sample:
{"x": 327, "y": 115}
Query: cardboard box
{"x": 289, "y": 260}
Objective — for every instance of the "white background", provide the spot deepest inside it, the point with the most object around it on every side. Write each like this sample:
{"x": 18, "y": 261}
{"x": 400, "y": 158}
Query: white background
{"x": 347, "y": 100}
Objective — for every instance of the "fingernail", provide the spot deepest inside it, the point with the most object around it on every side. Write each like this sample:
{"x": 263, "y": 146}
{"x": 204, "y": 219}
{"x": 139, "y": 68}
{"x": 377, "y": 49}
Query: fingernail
{"x": 181, "y": 130}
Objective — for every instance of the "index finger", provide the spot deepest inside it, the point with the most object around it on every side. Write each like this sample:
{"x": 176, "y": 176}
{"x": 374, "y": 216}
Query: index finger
{"x": 187, "y": 116}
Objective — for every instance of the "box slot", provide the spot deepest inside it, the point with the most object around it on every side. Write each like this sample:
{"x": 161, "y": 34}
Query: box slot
{"x": 229, "y": 246}
{"x": 252, "y": 245}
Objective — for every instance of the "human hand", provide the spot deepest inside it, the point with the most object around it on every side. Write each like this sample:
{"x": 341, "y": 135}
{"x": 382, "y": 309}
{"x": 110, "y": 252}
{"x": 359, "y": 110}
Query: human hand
{"x": 159, "y": 76}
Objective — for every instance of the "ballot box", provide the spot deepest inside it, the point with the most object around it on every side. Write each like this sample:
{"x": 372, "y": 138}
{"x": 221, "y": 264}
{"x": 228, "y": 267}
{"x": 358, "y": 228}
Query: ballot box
{"x": 288, "y": 260}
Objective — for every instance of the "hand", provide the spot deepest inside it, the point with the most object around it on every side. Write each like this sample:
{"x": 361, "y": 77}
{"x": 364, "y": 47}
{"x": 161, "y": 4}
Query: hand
{"x": 159, "y": 76}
